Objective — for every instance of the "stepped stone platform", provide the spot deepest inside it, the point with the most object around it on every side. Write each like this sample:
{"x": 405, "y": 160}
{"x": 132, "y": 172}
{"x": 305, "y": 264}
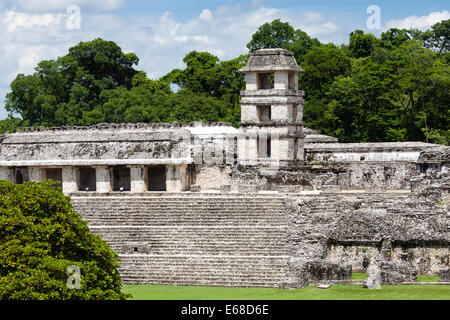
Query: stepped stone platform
{"x": 204, "y": 240}
{"x": 259, "y": 240}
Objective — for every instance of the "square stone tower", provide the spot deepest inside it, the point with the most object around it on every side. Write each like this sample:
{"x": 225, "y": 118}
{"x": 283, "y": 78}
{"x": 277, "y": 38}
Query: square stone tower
{"x": 271, "y": 131}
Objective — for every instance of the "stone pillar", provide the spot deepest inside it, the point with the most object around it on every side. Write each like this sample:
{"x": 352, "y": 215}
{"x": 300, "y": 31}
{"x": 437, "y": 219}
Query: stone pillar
{"x": 5, "y": 173}
{"x": 137, "y": 176}
{"x": 69, "y": 180}
{"x": 176, "y": 178}
{"x": 295, "y": 81}
{"x": 36, "y": 174}
{"x": 280, "y": 112}
{"x": 247, "y": 146}
{"x": 251, "y": 81}
{"x": 103, "y": 179}
{"x": 281, "y": 80}
{"x": 249, "y": 113}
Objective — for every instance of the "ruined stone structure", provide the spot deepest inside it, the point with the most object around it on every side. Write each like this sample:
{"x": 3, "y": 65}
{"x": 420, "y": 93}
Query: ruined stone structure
{"x": 272, "y": 111}
{"x": 269, "y": 204}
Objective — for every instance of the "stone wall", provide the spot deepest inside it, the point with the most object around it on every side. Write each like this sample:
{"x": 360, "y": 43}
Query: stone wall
{"x": 352, "y": 176}
{"x": 92, "y": 143}
{"x": 356, "y": 228}
{"x": 212, "y": 177}
{"x": 365, "y": 152}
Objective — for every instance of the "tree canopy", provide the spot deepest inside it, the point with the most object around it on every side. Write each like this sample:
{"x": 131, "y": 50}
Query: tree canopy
{"x": 389, "y": 88}
{"x": 277, "y": 34}
{"x": 43, "y": 242}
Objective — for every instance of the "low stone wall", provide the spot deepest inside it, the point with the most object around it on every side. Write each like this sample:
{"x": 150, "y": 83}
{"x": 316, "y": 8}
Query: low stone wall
{"x": 351, "y": 176}
{"x": 356, "y": 228}
{"x": 427, "y": 259}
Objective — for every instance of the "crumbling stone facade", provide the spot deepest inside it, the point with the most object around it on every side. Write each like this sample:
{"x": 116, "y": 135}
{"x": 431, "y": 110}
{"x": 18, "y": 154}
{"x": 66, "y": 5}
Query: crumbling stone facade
{"x": 269, "y": 204}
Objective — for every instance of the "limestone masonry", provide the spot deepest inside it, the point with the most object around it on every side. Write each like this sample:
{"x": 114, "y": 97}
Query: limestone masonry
{"x": 270, "y": 204}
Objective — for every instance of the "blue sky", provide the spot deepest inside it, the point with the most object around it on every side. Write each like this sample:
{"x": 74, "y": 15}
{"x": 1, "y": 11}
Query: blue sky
{"x": 162, "y": 32}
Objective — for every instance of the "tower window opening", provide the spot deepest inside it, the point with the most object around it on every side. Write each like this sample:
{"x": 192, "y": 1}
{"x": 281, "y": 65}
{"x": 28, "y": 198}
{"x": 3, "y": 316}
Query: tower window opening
{"x": 266, "y": 81}
{"x": 264, "y": 147}
{"x": 264, "y": 113}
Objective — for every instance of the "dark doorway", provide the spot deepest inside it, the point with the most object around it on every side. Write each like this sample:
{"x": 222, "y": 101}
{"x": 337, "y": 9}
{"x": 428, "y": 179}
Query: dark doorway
{"x": 21, "y": 175}
{"x": 122, "y": 180}
{"x": 264, "y": 113}
{"x": 157, "y": 178}
{"x": 87, "y": 179}
{"x": 54, "y": 174}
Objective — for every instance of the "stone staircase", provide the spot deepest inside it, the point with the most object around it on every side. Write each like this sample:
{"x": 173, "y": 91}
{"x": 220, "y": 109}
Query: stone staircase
{"x": 212, "y": 240}
{"x": 247, "y": 240}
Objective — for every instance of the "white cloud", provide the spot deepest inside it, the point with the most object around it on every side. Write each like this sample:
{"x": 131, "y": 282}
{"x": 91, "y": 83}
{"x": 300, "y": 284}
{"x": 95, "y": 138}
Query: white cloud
{"x": 161, "y": 43}
{"x": 315, "y": 24}
{"x": 206, "y": 15}
{"x": 415, "y": 22}
{"x": 15, "y": 20}
{"x": 61, "y": 5}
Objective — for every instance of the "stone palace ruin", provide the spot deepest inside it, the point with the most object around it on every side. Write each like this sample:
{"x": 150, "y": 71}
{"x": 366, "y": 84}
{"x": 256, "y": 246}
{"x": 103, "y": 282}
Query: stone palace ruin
{"x": 271, "y": 204}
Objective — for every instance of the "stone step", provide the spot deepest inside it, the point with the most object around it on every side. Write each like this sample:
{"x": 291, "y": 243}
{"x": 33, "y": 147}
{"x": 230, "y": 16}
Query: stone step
{"x": 204, "y": 270}
{"x": 201, "y": 241}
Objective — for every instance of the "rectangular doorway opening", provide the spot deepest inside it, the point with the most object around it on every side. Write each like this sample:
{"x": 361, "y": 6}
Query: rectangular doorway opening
{"x": 157, "y": 178}
{"x": 20, "y": 175}
{"x": 122, "y": 179}
{"x": 54, "y": 174}
{"x": 87, "y": 180}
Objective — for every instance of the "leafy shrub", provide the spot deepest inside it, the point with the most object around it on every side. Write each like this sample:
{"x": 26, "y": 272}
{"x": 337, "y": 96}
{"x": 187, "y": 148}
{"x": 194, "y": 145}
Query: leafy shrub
{"x": 40, "y": 237}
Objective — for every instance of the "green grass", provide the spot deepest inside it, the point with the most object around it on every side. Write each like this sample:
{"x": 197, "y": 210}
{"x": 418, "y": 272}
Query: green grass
{"x": 428, "y": 279}
{"x": 359, "y": 276}
{"x": 363, "y": 276}
{"x": 337, "y": 292}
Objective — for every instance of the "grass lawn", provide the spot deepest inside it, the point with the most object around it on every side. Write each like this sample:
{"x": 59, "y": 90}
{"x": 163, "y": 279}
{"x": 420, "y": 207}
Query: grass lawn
{"x": 337, "y": 292}
{"x": 363, "y": 276}
{"x": 359, "y": 276}
{"x": 428, "y": 279}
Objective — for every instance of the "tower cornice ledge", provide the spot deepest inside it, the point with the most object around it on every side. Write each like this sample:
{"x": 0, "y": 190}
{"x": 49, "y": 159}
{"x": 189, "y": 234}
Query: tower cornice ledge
{"x": 272, "y": 92}
{"x": 270, "y": 100}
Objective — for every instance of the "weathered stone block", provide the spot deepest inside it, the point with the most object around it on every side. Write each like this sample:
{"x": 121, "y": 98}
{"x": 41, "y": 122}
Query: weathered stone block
{"x": 325, "y": 271}
{"x": 394, "y": 272}
{"x": 315, "y": 272}
{"x": 444, "y": 275}
{"x": 373, "y": 280}
{"x": 245, "y": 188}
{"x": 195, "y": 188}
